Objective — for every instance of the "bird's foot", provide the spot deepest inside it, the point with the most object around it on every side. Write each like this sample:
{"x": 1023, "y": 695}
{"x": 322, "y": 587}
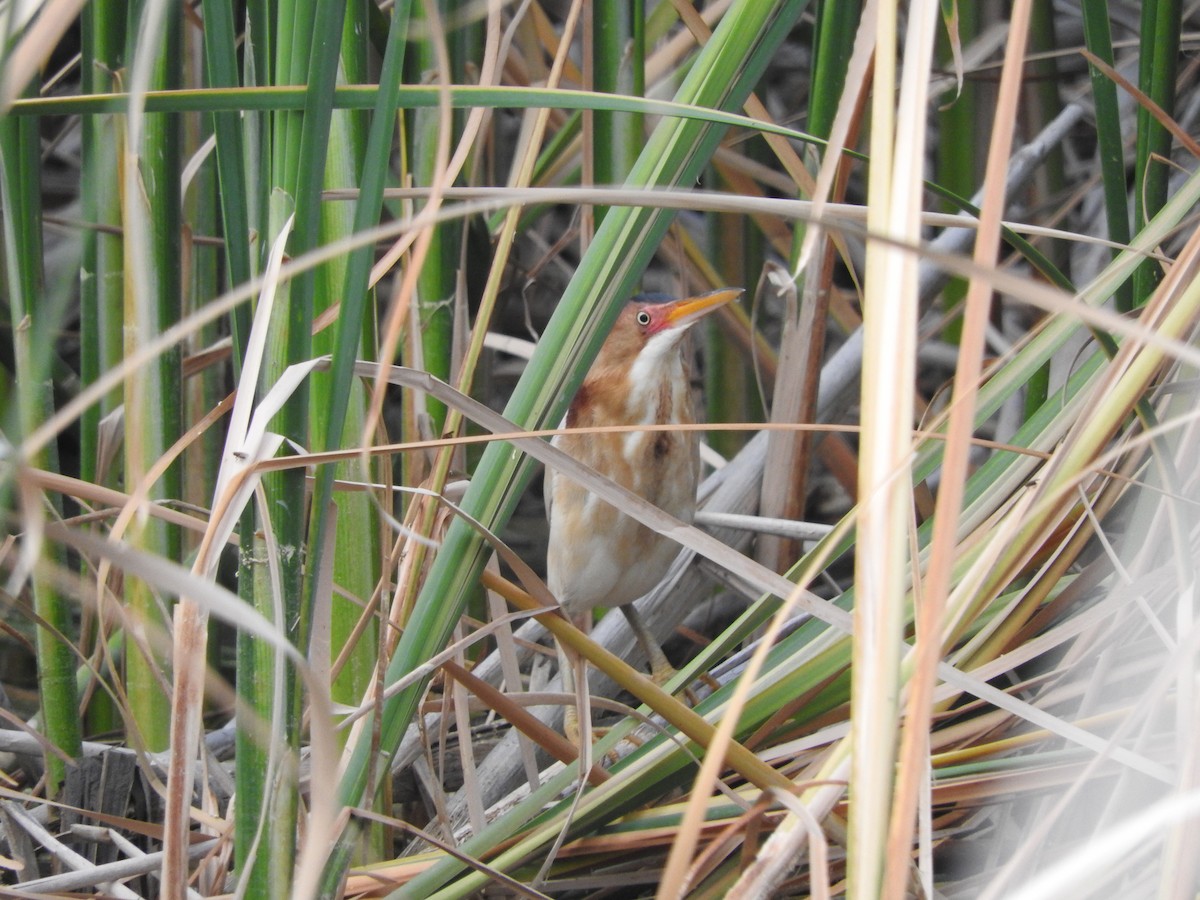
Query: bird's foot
{"x": 662, "y": 672}
{"x": 571, "y": 728}
{"x": 574, "y": 733}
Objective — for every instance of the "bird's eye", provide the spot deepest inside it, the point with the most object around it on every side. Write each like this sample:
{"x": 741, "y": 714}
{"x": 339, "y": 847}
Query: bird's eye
{"x": 643, "y": 318}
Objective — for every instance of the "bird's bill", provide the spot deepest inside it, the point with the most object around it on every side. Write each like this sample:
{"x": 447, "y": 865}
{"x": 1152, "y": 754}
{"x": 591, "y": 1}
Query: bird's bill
{"x": 686, "y": 312}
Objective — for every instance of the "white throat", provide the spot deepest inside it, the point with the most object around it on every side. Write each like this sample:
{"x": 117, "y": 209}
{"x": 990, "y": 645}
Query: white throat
{"x": 659, "y": 359}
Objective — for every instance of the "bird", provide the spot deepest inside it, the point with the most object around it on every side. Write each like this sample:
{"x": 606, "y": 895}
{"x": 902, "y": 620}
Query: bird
{"x": 597, "y": 556}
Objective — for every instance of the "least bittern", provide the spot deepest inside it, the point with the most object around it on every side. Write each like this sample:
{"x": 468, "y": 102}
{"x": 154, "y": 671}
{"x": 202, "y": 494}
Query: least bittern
{"x": 599, "y": 556}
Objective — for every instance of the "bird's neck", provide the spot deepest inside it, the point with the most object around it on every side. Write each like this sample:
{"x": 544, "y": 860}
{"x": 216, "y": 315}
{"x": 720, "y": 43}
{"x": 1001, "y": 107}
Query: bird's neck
{"x": 654, "y": 390}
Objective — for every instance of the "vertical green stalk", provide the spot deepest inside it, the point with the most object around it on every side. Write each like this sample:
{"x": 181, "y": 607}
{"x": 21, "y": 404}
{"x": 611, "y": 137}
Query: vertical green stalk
{"x": 353, "y": 331}
{"x": 153, "y": 397}
{"x": 259, "y": 66}
{"x": 619, "y": 54}
{"x": 352, "y": 320}
{"x": 101, "y": 265}
{"x": 356, "y": 565}
{"x": 307, "y": 52}
{"x": 241, "y": 151}
{"x": 837, "y": 25}
{"x": 1158, "y": 66}
{"x": 203, "y": 279}
{"x": 257, "y": 675}
{"x": 437, "y": 282}
{"x": 1097, "y": 33}
{"x": 265, "y": 838}
{"x": 103, "y": 41}
{"x": 243, "y": 156}
{"x": 234, "y": 196}
{"x": 34, "y": 326}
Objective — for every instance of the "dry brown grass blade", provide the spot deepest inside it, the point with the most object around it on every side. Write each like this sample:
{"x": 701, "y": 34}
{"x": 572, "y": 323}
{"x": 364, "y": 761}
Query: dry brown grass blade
{"x": 101, "y": 496}
{"x": 935, "y": 584}
{"x": 1177, "y": 132}
{"x": 883, "y": 565}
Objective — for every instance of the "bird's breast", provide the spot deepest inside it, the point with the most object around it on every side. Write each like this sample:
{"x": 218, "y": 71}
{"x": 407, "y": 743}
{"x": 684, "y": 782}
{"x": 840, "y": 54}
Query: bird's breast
{"x": 599, "y": 556}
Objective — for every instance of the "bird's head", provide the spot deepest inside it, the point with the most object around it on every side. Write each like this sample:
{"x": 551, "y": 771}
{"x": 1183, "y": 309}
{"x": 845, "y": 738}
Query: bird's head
{"x": 651, "y": 327}
{"x": 641, "y": 359}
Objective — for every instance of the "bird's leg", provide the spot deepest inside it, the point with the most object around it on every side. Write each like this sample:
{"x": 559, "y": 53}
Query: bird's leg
{"x": 566, "y": 670}
{"x": 661, "y": 669}
{"x": 573, "y": 675}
